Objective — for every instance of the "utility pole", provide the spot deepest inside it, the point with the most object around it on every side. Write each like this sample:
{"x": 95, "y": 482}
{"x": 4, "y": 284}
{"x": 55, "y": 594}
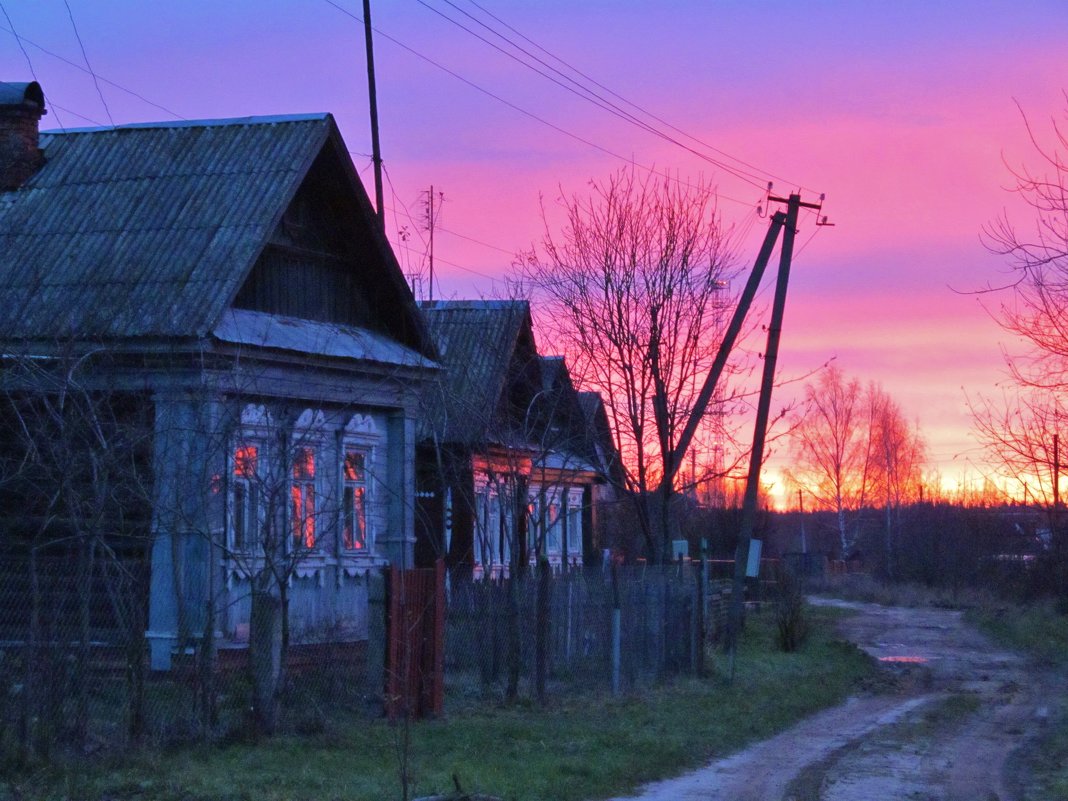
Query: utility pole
{"x": 1055, "y": 538}
{"x": 693, "y": 471}
{"x": 671, "y": 465}
{"x": 756, "y": 456}
{"x": 372, "y": 94}
{"x": 1056, "y": 472}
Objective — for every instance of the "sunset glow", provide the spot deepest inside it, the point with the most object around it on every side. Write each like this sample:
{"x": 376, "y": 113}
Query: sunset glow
{"x": 901, "y": 113}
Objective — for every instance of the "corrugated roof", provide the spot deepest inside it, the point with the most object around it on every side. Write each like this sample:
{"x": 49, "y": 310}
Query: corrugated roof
{"x": 146, "y": 230}
{"x": 593, "y": 409}
{"x": 477, "y": 341}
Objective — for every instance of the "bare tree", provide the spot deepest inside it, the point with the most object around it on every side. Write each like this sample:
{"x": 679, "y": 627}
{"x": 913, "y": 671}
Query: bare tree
{"x": 75, "y": 479}
{"x": 899, "y": 457}
{"x": 633, "y": 289}
{"x": 1037, "y": 309}
{"x": 1020, "y": 429}
{"x": 852, "y": 447}
{"x": 281, "y": 483}
{"x": 831, "y": 449}
{"x": 1018, "y": 432}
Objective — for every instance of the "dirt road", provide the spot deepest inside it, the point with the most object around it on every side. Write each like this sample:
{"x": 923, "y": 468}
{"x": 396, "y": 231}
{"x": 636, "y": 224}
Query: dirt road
{"x": 960, "y": 709}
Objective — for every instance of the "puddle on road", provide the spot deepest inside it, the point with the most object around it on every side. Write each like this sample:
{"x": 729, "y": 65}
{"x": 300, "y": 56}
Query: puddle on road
{"x": 913, "y": 660}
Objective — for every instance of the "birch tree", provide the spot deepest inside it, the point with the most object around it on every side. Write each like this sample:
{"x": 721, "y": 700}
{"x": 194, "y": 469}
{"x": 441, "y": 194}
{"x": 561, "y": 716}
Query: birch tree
{"x": 830, "y": 449}
{"x": 852, "y": 448}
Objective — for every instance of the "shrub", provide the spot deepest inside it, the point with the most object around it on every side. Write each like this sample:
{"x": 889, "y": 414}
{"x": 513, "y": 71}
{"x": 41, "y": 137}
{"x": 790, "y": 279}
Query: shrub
{"x": 790, "y": 616}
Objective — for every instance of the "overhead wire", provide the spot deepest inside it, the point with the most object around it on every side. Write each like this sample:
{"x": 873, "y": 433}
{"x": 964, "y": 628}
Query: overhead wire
{"x": 52, "y": 105}
{"x": 101, "y": 78}
{"x": 757, "y": 180}
{"x": 630, "y": 103}
{"x": 471, "y": 270}
{"x": 476, "y": 241}
{"x": 88, "y": 69}
{"x": 85, "y": 57}
{"x": 396, "y": 221}
{"x": 525, "y": 112}
{"x": 22, "y": 41}
{"x": 25, "y": 54}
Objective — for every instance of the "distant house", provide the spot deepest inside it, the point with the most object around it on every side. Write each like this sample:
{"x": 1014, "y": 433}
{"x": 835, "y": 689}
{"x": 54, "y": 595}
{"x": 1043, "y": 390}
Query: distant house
{"x": 228, "y": 280}
{"x": 605, "y": 455}
{"x": 506, "y": 469}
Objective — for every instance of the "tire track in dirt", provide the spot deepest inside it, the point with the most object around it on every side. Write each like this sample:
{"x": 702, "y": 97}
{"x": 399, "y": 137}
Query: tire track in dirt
{"x": 968, "y": 706}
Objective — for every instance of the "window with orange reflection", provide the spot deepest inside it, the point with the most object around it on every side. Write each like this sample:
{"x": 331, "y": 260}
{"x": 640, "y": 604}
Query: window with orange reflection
{"x": 244, "y": 498}
{"x": 245, "y": 457}
{"x": 302, "y": 496}
{"x": 354, "y": 501}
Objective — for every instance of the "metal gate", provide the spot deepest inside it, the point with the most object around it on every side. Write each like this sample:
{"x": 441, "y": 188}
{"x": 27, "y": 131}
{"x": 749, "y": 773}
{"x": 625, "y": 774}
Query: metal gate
{"x": 415, "y": 642}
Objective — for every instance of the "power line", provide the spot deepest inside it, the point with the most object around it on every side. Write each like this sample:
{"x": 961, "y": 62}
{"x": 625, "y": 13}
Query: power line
{"x": 525, "y": 112}
{"x": 476, "y": 241}
{"x": 630, "y": 103}
{"x": 88, "y": 66}
{"x": 77, "y": 66}
{"x": 52, "y": 106}
{"x": 755, "y": 179}
{"x": 26, "y": 55}
{"x": 405, "y": 246}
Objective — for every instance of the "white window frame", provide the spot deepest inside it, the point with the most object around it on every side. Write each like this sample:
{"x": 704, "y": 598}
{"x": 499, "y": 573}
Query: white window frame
{"x": 575, "y": 533}
{"x": 308, "y": 434}
{"x": 359, "y": 435}
{"x": 250, "y": 504}
{"x": 363, "y": 484}
{"x": 252, "y": 433}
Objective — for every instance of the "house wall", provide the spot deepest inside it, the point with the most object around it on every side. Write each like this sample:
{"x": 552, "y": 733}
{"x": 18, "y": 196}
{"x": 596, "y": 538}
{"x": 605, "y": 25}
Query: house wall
{"x": 74, "y": 508}
{"x": 204, "y": 561}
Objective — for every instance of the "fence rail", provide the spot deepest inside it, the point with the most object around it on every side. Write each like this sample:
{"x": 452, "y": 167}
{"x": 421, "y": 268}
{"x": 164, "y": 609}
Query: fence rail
{"x": 74, "y": 677}
{"x": 491, "y": 627}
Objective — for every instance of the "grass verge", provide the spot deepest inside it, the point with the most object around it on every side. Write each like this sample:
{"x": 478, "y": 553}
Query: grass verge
{"x": 1036, "y": 629}
{"x": 1041, "y": 632}
{"x": 865, "y": 588}
{"x": 575, "y": 750}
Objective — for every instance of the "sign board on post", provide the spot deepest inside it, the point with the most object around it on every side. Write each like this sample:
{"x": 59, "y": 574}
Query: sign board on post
{"x": 752, "y": 567}
{"x": 679, "y": 549}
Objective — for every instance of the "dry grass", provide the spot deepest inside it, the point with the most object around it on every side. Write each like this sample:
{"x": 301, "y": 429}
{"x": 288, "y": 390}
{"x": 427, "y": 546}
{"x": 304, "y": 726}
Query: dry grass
{"x": 863, "y": 587}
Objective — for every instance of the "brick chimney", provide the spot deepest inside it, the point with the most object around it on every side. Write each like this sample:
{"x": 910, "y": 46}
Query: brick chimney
{"x": 21, "y": 108}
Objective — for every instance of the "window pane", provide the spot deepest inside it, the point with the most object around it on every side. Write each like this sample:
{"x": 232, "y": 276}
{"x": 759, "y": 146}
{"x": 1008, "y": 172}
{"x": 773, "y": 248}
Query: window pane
{"x": 251, "y": 532}
{"x": 309, "y": 516}
{"x": 355, "y": 533}
{"x": 552, "y": 528}
{"x": 245, "y": 461}
{"x": 304, "y": 463}
{"x": 354, "y": 527}
{"x": 354, "y": 461}
{"x": 303, "y": 518}
{"x": 240, "y": 499}
{"x": 360, "y": 518}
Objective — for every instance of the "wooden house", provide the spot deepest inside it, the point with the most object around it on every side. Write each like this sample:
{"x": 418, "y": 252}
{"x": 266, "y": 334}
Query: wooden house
{"x": 506, "y": 463}
{"x": 228, "y": 281}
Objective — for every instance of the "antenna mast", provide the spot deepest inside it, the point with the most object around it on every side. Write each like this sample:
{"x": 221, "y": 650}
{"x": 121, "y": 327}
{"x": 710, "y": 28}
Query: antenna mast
{"x": 431, "y": 222}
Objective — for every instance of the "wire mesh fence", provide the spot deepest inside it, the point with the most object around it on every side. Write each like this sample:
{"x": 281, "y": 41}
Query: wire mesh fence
{"x": 664, "y": 617}
{"x": 75, "y": 677}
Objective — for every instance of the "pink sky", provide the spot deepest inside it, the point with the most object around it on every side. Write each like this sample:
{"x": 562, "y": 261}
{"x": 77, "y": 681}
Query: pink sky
{"x": 899, "y": 112}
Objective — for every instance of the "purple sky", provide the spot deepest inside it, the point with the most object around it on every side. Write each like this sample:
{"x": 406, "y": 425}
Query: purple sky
{"x": 900, "y": 112}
